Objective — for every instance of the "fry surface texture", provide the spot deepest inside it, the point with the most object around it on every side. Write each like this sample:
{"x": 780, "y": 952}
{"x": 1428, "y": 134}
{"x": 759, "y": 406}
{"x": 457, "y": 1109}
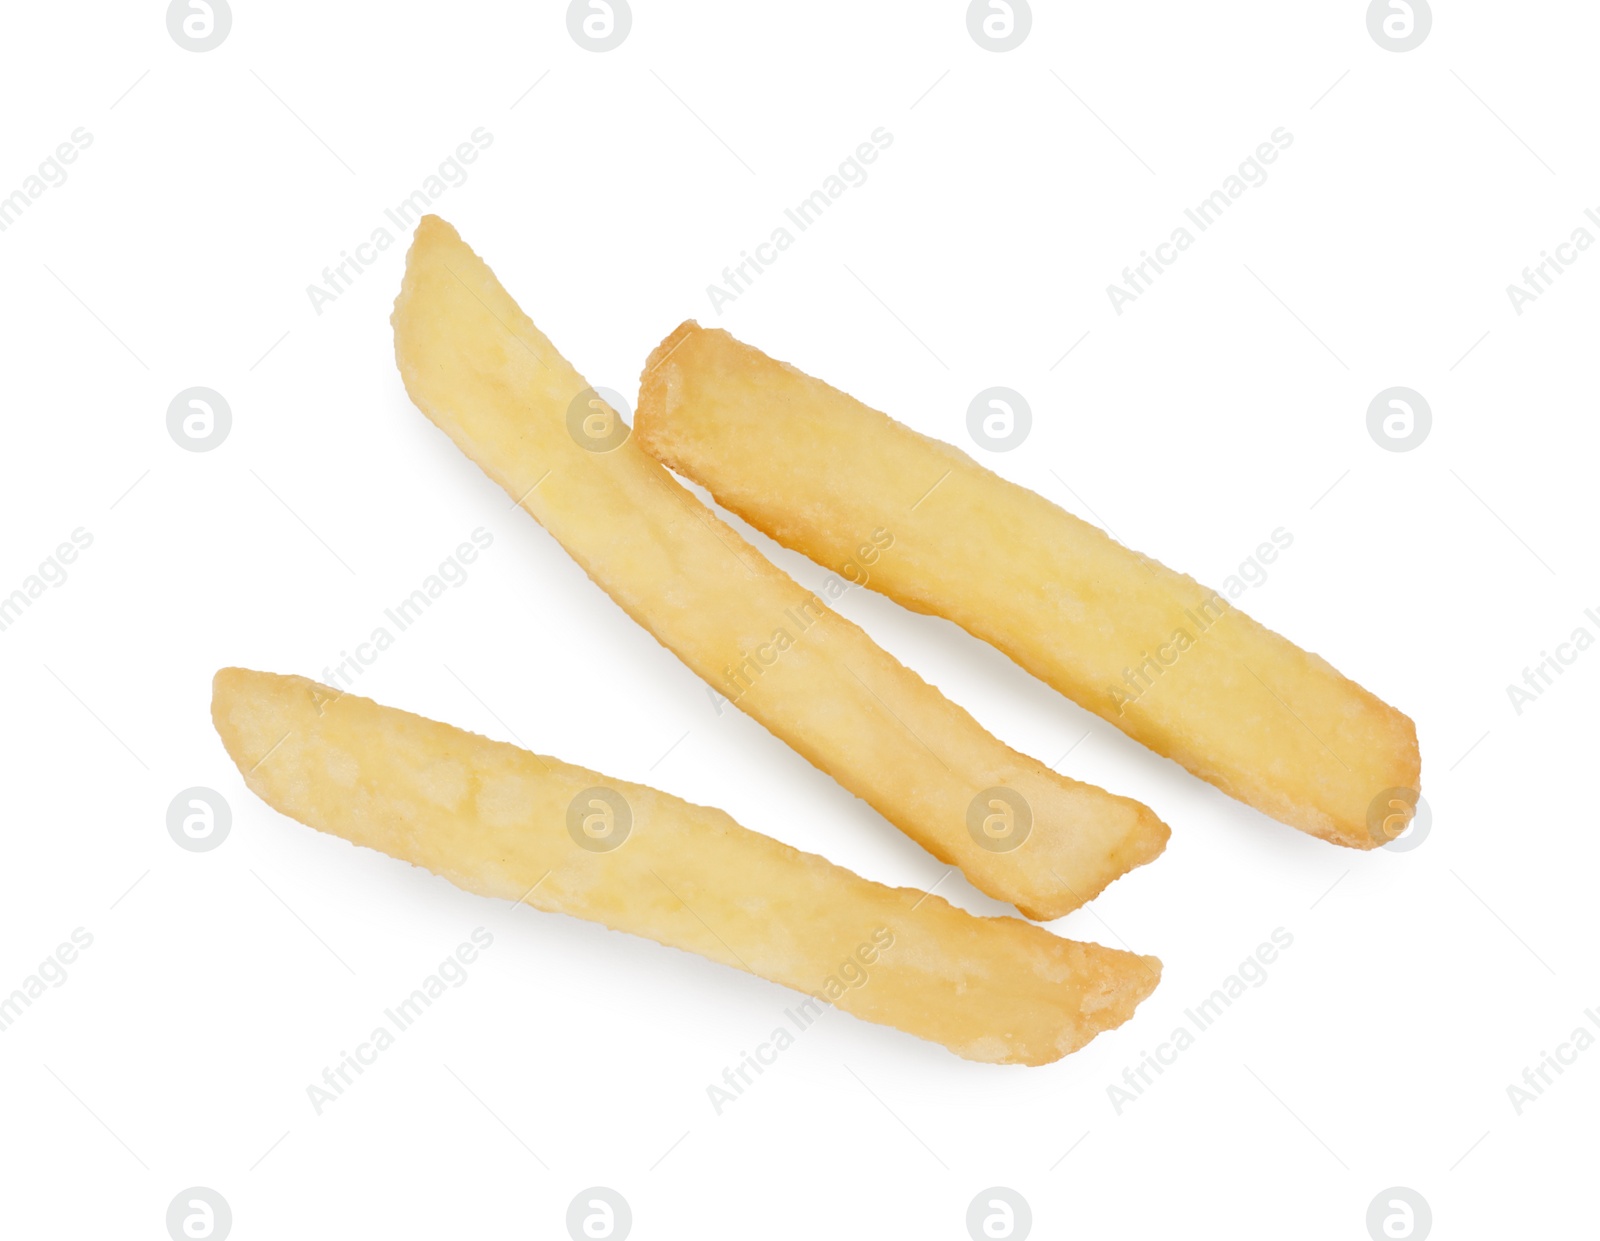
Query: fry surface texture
{"x": 1151, "y": 651}
{"x": 502, "y": 822}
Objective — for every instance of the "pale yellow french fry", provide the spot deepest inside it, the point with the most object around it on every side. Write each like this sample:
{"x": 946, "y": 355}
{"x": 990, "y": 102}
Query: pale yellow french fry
{"x": 505, "y": 823}
{"x": 1166, "y": 660}
{"x": 480, "y": 369}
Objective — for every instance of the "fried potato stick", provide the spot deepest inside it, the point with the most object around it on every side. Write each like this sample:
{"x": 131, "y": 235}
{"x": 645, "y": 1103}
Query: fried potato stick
{"x": 479, "y": 368}
{"x": 503, "y": 822}
{"x": 1166, "y": 660}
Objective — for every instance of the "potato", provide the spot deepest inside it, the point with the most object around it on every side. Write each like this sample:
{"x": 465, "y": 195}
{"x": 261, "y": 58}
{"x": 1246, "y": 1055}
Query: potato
{"x": 505, "y": 823}
{"x": 479, "y": 368}
{"x": 1149, "y": 650}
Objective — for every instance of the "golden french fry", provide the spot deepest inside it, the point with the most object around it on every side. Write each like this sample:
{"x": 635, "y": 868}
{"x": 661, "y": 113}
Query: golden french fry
{"x": 480, "y": 369}
{"x": 502, "y": 822}
{"x": 1166, "y": 660}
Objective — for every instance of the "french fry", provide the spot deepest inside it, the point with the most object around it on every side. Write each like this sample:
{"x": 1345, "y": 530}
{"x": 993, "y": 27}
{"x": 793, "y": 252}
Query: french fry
{"x": 479, "y": 368}
{"x": 503, "y": 822}
{"x": 1149, "y": 650}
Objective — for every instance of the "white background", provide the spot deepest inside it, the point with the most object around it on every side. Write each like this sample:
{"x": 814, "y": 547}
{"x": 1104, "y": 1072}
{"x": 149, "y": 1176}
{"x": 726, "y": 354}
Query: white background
{"x": 1224, "y": 403}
